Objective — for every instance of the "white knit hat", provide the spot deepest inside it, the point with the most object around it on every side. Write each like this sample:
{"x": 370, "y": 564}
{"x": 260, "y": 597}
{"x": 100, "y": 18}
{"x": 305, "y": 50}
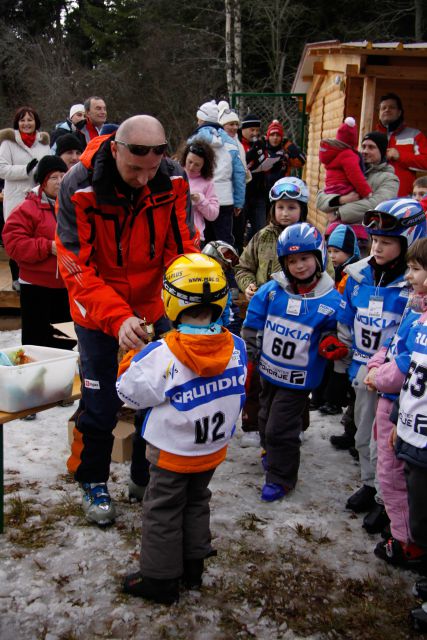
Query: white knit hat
{"x": 226, "y": 114}
{"x": 75, "y": 108}
{"x": 208, "y": 111}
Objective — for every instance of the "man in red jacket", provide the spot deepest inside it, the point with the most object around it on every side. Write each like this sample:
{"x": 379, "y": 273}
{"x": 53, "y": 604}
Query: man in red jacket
{"x": 123, "y": 214}
{"x": 407, "y": 147}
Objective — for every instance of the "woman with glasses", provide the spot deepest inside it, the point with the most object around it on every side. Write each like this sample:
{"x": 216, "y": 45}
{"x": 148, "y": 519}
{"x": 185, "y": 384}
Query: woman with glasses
{"x": 198, "y": 160}
{"x": 29, "y": 238}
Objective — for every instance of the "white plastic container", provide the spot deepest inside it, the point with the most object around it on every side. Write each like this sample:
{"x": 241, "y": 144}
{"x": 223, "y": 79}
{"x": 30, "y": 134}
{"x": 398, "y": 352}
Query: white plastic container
{"x": 48, "y": 379}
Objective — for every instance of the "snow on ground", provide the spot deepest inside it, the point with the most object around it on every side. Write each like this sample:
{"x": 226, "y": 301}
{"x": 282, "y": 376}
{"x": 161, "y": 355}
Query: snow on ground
{"x": 60, "y": 577}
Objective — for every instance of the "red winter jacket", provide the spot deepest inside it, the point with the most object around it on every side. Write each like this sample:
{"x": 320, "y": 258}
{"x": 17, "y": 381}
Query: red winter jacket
{"x": 412, "y": 147}
{"x": 28, "y": 235}
{"x": 343, "y": 172}
{"x": 114, "y": 242}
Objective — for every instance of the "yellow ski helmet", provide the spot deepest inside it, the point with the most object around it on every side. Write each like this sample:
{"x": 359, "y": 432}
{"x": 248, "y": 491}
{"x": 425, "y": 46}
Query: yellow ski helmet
{"x": 194, "y": 279}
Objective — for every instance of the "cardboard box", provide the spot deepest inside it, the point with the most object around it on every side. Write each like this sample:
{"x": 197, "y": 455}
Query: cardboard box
{"x": 123, "y": 432}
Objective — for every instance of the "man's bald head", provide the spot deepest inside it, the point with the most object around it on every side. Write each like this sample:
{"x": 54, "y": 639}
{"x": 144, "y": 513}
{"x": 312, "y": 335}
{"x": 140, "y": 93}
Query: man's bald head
{"x": 141, "y": 130}
{"x": 136, "y": 169}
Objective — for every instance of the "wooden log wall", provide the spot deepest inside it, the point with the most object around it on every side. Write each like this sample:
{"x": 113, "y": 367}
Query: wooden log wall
{"x": 326, "y": 115}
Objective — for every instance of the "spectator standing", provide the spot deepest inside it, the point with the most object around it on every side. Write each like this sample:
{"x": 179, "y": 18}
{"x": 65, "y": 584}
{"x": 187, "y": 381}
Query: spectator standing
{"x": 20, "y": 150}
{"x": 96, "y": 117}
{"x": 124, "y": 213}
{"x": 74, "y": 124}
{"x": 229, "y": 174}
{"x": 407, "y": 146}
{"x": 230, "y": 122}
{"x": 198, "y": 160}
{"x": 255, "y": 210}
{"x": 69, "y": 149}
{"x": 289, "y": 155}
{"x": 29, "y": 238}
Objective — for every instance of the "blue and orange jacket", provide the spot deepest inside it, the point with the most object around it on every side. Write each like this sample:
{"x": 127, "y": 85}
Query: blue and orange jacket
{"x": 113, "y": 242}
{"x": 193, "y": 390}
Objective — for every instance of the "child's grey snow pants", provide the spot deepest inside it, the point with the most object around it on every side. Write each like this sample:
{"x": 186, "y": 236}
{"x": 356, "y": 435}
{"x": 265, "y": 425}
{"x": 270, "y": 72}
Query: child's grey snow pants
{"x": 175, "y": 522}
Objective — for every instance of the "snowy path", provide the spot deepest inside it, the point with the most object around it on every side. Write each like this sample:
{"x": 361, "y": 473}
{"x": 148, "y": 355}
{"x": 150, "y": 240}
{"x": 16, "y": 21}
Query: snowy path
{"x": 60, "y": 577}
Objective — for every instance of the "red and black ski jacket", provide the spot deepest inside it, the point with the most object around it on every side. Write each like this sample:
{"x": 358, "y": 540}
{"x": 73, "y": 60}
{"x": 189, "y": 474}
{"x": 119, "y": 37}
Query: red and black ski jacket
{"x": 113, "y": 242}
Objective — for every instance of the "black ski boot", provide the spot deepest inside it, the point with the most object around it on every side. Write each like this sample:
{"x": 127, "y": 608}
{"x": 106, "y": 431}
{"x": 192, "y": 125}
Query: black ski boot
{"x": 193, "y": 571}
{"x": 362, "y": 500}
{"x": 342, "y": 442}
{"x": 161, "y": 591}
{"x": 376, "y": 519}
{"x": 330, "y": 409}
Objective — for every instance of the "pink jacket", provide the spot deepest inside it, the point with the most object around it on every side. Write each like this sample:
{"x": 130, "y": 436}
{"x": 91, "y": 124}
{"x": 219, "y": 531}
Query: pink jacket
{"x": 390, "y": 470}
{"x": 28, "y": 235}
{"x": 343, "y": 172}
{"x": 208, "y": 206}
{"x": 389, "y": 378}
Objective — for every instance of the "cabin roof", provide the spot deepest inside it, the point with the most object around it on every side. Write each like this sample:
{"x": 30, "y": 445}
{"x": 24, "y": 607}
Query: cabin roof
{"x": 317, "y": 52}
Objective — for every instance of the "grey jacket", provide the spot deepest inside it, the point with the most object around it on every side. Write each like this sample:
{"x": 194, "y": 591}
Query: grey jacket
{"x": 384, "y": 183}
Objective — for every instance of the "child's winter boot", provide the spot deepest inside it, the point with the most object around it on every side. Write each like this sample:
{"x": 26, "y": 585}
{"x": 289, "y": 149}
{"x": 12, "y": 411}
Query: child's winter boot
{"x": 272, "y": 491}
{"x": 400, "y": 554}
{"x": 193, "y": 571}
{"x": 376, "y": 519}
{"x": 161, "y": 591}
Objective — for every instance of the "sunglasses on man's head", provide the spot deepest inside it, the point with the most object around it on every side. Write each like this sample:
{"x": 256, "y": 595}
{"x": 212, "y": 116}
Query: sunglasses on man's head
{"x": 285, "y": 191}
{"x": 144, "y": 149}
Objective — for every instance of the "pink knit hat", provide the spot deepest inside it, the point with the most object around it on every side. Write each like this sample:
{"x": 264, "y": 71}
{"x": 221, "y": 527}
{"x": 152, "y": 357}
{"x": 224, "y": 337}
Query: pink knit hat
{"x": 347, "y": 132}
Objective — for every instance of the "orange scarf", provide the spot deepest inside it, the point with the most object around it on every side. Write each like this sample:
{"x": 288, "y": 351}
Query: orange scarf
{"x": 206, "y": 355}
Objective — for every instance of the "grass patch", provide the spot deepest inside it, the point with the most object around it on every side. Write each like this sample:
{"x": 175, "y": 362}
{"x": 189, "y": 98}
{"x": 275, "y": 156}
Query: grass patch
{"x": 250, "y": 522}
{"x": 308, "y": 535}
{"x": 289, "y": 589}
{"x": 19, "y": 511}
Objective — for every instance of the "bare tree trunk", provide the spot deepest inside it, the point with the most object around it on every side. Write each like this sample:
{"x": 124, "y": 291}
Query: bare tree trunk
{"x": 228, "y": 6}
{"x": 419, "y": 20}
{"x": 237, "y": 46}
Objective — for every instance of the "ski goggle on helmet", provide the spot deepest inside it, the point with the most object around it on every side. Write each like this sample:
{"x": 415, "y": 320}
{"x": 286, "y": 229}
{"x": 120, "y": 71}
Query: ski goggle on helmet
{"x": 223, "y": 252}
{"x": 397, "y": 218}
{"x": 289, "y": 189}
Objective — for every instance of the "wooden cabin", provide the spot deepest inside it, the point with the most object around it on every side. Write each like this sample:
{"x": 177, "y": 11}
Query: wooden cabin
{"x": 347, "y": 79}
